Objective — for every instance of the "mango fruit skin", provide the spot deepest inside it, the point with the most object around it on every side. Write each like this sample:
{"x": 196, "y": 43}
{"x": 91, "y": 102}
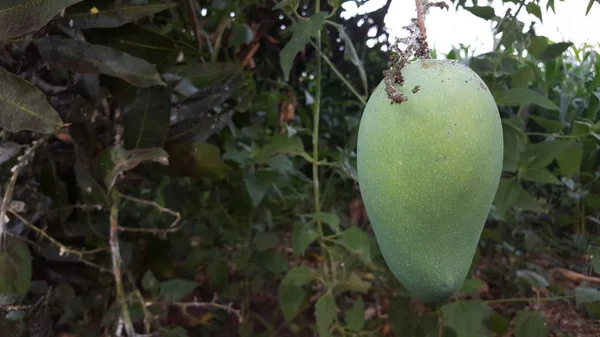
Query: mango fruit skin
{"x": 428, "y": 171}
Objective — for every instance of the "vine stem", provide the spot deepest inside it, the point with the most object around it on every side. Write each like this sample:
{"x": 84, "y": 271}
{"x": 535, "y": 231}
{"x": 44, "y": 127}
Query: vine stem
{"x": 315, "y": 143}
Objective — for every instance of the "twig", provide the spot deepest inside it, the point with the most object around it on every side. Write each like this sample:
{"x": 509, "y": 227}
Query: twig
{"x": 172, "y": 228}
{"x": 64, "y": 250}
{"x": 213, "y": 303}
{"x": 575, "y": 276}
{"x": 116, "y": 263}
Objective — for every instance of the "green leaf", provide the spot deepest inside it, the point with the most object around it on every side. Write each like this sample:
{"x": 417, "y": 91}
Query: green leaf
{"x": 274, "y": 262}
{"x": 569, "y": 160}
{"x": 510, "y": 194}
{"x": 594, "y": 253}
{"x": 302, "y": 236}
{"x": 290, "y": 298}
{"x": 521, "y": 78}
{"x": 484, "y": 12}
{"x": 400, "y": 316}
{"x": 471, "y": 285}
{"x": 466, "y": 317}
{"x": 522, "y": 96}
{"x": 25, "y": 107}
{"x": 240, "y": 33}
{"x": 325, "y": 310}
{"x": 553, "y": 51}
{"x": 353, "y": 283}
{"x": 176, "y": 289}
{"x": 513, "y": 145}
{"x": 534, "y": 9}
{"x": 585, "y": 294}
{"x": 146, "y": 120}
{"x": 257, "y": 184}
{"x": 80, "y": 56}
{"x": 91, "y": 190}
{"x": 548, "y": 124}
{"x": 540, "y": 175}
{"x": 330, "y": 219}
{"x": 539, "y": 155}
{"x": 589, "y": 6}
{"x": 280, "y": 144}
{"x": 498, "y": 324}
{"x": 355, "y": 317}
{"x": 581, "y": 128}
{"x": 357, "y": 240}
{"x": 197, "y": 160}
{"x": 299, "y": 276}
{"x": 265, "y": 240}
{"x": 111, "y": 14}
{"x": 530, "y": 324}
{"x": 537, "y": 45}
{"x": 149, "y": 281}
{"x": 25, "y": 16}
{"x": 303, "y": 31}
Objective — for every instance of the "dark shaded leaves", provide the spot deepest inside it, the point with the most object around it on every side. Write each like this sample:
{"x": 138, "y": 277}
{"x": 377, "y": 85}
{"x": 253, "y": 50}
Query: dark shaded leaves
{"x": 530, "y": 324}
{"x": 553, "y": 51}
{"x": 111, "y": 14}
{"x": 83, "y": 57}
{"x": 484, "y": 12}
{"x": 146, "y": 120}
{"x": 25, "y": 16}
{"x": 25, "y": 107}
{"x": 203, "y": 74}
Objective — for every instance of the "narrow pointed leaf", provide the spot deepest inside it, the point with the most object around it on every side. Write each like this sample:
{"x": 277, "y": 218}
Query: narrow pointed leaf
{"x": 25, "y": 16}
{"x": 521, "y": 96}
{"x": 110, "y": 14}
{"x": 25, "y": 107}
{"x": 83, "y": 57}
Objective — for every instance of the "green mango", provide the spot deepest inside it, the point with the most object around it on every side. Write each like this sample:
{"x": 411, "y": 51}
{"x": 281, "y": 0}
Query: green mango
{"x": 428, "y": 170}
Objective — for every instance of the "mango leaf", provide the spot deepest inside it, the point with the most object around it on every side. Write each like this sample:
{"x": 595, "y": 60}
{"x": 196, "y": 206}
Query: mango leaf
{"x": 510, "y": 194}
{"x": 303, "y": 31}
{"x": 25, "y": 107}
{"x": 466, "y": 317}
{"x": 530, "y": 324}
{"x": 110, "y": 14}
{"x": 280, "y": 144}
{"x": 513, "y": 145}
{"x": 302, "y": 236}
{"x": 25, "y": 16}
{"x": 539, "y": 155}
{"x": 203, "y": 74}
{"x": 484, "y": 12}
{"x": 146, "y": 120}
{"x": 537, "y": 45}
{"x": 569, "y": 160}
{"x": 176, "y": 289}
{"x": 355, "y": 316}
{"x": 290, "y": 298}
{"x": 553, "y": 51}
{"x": 91, "y": 190}
{"x": 521, "y": 78}
{"x": 522, "y": 96}
{"x": 80, "y": 56}
{"x": 589, "y": 6}
{"x": 191, "y": 159}
{"x": 585, "y": 294}
{"x": 540, "y": 175}
{"x": 112, "y": 162}
{"x": 325, "y": 310}
{"x": 548, "y": 124}
{"x": 351, "y": 55}
{"x": 137, "y": 41}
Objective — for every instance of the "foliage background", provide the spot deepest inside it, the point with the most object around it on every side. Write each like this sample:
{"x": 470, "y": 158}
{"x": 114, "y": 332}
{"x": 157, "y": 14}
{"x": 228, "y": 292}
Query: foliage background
{"x": 205, "y": 184}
